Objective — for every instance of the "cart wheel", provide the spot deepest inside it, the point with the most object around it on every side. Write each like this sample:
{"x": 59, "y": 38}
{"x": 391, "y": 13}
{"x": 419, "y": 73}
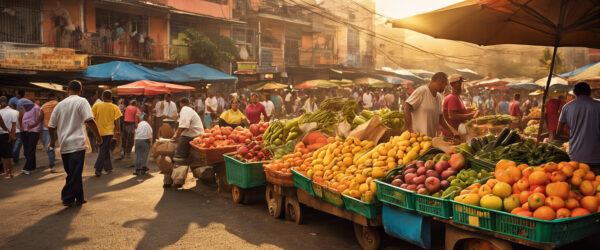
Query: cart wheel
{"x": 274, "y": 202}
{"x": 237, "y": 194}
{"x": 292, "y": 210}
{"x": 369, "y": 238}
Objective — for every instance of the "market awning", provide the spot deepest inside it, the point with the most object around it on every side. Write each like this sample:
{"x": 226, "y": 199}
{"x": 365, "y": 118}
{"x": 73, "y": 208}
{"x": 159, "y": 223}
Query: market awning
{"x": 316, "y": 84}
{"x": 146, "y": 87}
{"x": 130, "y": 72}
{"x": 373, "y": 83}
{"x": 50, "y": 86}
{"x": 579, "y": 70}
{"x": 267, "y": 86}
{"x": 556, "y": 84}
{"x": 588, "y": 74}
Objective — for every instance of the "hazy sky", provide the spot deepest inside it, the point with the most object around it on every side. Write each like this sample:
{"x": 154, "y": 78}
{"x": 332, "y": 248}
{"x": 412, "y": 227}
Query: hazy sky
{"x": 404, "y": 8}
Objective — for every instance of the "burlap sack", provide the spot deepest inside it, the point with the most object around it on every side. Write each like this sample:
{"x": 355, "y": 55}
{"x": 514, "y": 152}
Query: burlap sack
{"x": 180, "y": 174}
{"x": 371, "y": 130}
{"x": 165, "y": 164}
{"x": 165, "y": 148}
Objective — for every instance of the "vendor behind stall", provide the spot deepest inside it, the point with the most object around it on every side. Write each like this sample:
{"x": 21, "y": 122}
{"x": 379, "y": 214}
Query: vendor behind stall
{"x": 190, "y": 127}
{"x": 455, "y": 112}
{"x": 582, "y": 116}
{"x": 423, "y": 110}
{"x": 233, "y": 117}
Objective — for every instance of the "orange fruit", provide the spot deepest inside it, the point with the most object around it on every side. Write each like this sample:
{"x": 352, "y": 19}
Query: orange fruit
{"x": 523, "y": 184}
{"x": 483, "y": 190}
{"x": 558, "y": 176}
{"x": 522, "y": 167}
{"x": 554, "y": 202}
{"x": 560, "y": 189}
{"x": 536, "y": 200}
{"x": 525, "y": 213}
{"x": 526, "y": 206}
{"x": 587, "y": 188}
{"x": 574, "y": 164}
{"x": 517, "y": 210}
{"x": 571, "y": 203}
{"x": 491, "y": 183}
{"x": 567, "y": 170}
{"x": 579, "y": 212}
{"x": 590, "y": 203}
{"x": 584, "y": 166}
{"x": 526, "y": 172}
{"x": 544, "y": 213}
{"x": 538, "y": 178}
{"x": 576, "y": 180}
{"x": 523, "y": 196}
{"x": 590, "y": 176}
{"x": 563, "y": 213}
{"x": 580, "y": 172}
{"x": 550, "y": 167}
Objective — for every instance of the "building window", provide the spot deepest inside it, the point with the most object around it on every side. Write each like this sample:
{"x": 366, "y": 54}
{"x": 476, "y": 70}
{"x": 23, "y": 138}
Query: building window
{"x": 20, "y": 21}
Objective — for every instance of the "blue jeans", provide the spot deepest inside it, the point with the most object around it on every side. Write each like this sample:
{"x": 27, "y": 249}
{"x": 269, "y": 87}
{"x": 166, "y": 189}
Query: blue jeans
{"x": 142, "y": 150}
{"x": 17, "y": 148}
{"x": 46, "y": 142}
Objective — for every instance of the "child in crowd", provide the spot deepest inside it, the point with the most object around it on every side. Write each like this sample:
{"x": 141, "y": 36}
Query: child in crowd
{"x": 143, "y": 137}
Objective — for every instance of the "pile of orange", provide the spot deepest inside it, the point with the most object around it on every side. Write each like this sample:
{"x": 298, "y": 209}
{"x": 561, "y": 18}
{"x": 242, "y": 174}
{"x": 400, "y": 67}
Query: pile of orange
{"x": 295, "y": 159}
{"x": 551, "y": 191}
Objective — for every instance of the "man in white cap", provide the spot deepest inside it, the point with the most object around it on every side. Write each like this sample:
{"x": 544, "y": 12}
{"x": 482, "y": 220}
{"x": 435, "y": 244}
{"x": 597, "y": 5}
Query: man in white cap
{"x": 455, "y": 112}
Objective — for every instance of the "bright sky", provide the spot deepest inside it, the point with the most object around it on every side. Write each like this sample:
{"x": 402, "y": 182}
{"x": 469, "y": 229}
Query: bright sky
{"x": 405, "y": 8}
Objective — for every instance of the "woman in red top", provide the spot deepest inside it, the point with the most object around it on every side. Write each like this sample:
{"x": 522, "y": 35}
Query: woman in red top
{"x": 130, "y": 123}
{"x": 255, "y": 109}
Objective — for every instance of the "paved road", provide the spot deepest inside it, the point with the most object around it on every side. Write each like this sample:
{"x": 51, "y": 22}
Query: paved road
{"x": 129, "y": 212}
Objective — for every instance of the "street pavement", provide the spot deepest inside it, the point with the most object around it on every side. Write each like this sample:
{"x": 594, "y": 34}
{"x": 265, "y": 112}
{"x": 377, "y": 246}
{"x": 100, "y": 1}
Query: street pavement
{"x": 124, "y": 211}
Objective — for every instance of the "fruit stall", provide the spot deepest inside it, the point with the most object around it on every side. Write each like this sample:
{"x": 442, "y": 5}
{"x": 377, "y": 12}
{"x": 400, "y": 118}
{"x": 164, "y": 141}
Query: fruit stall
{"x": 499, "y": 186}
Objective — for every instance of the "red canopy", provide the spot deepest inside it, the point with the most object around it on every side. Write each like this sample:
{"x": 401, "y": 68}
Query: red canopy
{"x": 146, "y": 87}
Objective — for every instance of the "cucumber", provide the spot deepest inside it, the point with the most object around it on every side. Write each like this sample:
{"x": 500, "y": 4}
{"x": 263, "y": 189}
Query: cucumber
{"x": 475, "y": 145}
{"x": 512, "y": 137}
{"x": 501, "y": 137}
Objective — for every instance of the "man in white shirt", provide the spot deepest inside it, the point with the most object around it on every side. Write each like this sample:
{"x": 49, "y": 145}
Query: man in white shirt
{"x": 211, "y": 106}
{"x": 269, "y": 107}
{"x": 67, "y": 127}
{"x": 221, "y": 103}
{"x": 190, "y": 127}
{"x": 167, "y": 111}
{"x": 367, "y": 99}
{"x": 143, "y": 136}
{"x": 8, "y": 129}
{"x": 423, "y": 108}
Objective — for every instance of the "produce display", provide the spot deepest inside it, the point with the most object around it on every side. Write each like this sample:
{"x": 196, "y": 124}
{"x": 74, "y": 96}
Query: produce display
{"x": 391, "y": 119}
{"x": 350, "y": 166}
{"x": 534, "y": 113}
{"x": 528, "y": 152}
{"x": 280, "y": 132}
{"x": 219, "y": 137}
{"x": 547, "y": 192}
{"x": 302, "y": 151}
{"x": 492, "y": 120}
{"x": 252, "y": 152}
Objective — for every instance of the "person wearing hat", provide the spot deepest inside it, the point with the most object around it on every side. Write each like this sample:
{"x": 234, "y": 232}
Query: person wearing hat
{"x": 455, "y": 112}
{"x": 582, "y": 117}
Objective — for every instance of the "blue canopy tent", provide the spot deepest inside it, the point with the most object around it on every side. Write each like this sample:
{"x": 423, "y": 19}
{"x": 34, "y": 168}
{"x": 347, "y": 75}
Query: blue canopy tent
{"x": 577, "y": 71}
{"x": 130, "y": 72}
{"x": 205, "y": 73}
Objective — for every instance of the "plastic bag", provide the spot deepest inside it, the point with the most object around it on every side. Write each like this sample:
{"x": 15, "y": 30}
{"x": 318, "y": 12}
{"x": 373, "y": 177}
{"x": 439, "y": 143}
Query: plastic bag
{"x": 371, "y": 130}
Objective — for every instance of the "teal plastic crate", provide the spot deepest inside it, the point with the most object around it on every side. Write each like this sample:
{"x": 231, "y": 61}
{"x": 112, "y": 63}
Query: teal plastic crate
{"x": 395, "y": 196}
{"x": 332, "y": 196}
{"x": 433, "y": 206}
{"x": 368, "y": 210}
{"x": 558, "y": 232}
{"x": 473, "y": 216}
{"x": 302, "y": 182}
{"x": 244, "y": 175}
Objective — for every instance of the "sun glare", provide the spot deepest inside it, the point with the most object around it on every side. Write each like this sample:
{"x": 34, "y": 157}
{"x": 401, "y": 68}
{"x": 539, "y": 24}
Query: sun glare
{"x": 405, "y": 8}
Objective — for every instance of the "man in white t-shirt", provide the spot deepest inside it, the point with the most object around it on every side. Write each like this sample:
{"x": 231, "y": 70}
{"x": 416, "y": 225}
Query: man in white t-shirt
{"x": 269, "y": 107}
{"x": 211, "y": 106}
{"x": 367, "y": 99}
{"x": 167, "y": 111}
{"x": 190, "y": 127}
{"x": 8, "y": 130}
{"x": 66, "y": 127}
{"x": 423, "y": 109}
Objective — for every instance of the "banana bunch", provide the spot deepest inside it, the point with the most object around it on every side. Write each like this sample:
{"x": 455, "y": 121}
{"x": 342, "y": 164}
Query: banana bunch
{"x": 393, "y": 119}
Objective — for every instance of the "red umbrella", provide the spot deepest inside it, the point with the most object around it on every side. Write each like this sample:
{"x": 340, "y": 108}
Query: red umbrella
{"x": 146, "y": 87}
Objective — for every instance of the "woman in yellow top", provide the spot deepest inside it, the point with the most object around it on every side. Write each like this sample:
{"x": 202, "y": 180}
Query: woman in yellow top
{"x": 233, "y": 117}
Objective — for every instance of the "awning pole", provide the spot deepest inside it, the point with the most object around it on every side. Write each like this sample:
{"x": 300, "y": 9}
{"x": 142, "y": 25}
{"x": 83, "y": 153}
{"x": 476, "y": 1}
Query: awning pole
{"x": 543, "y": 116}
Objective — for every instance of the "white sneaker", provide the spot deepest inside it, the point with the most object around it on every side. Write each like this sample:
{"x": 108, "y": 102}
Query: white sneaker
{"x": 25, "y": 172}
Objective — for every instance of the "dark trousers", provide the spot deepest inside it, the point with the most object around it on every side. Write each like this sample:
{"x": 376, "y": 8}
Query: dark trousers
{"x": 142, "y": 150}
{"x": 103, "y": 159}
{"x": 183, "y": 147}
{"x": 30, "y": 140}
{"x": 128, "y": 135}
{"x": 73, "y": 188}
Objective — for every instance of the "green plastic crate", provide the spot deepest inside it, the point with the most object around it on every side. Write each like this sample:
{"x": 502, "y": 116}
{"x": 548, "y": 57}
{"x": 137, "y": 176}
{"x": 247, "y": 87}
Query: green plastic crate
{"x": 317, "y": 189}
{"x": 302, "y": 182}
{"x": 558, "y": 232}
{"x": 433, "y": 206}
{"x": 244, "y": 175}
{"x": 473, "y": 216}
{"x": 395, "y": 196}
{"x": 479, "y": 164}
{"x": 368, "y": 210}
{"x": 332, "y": 196}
